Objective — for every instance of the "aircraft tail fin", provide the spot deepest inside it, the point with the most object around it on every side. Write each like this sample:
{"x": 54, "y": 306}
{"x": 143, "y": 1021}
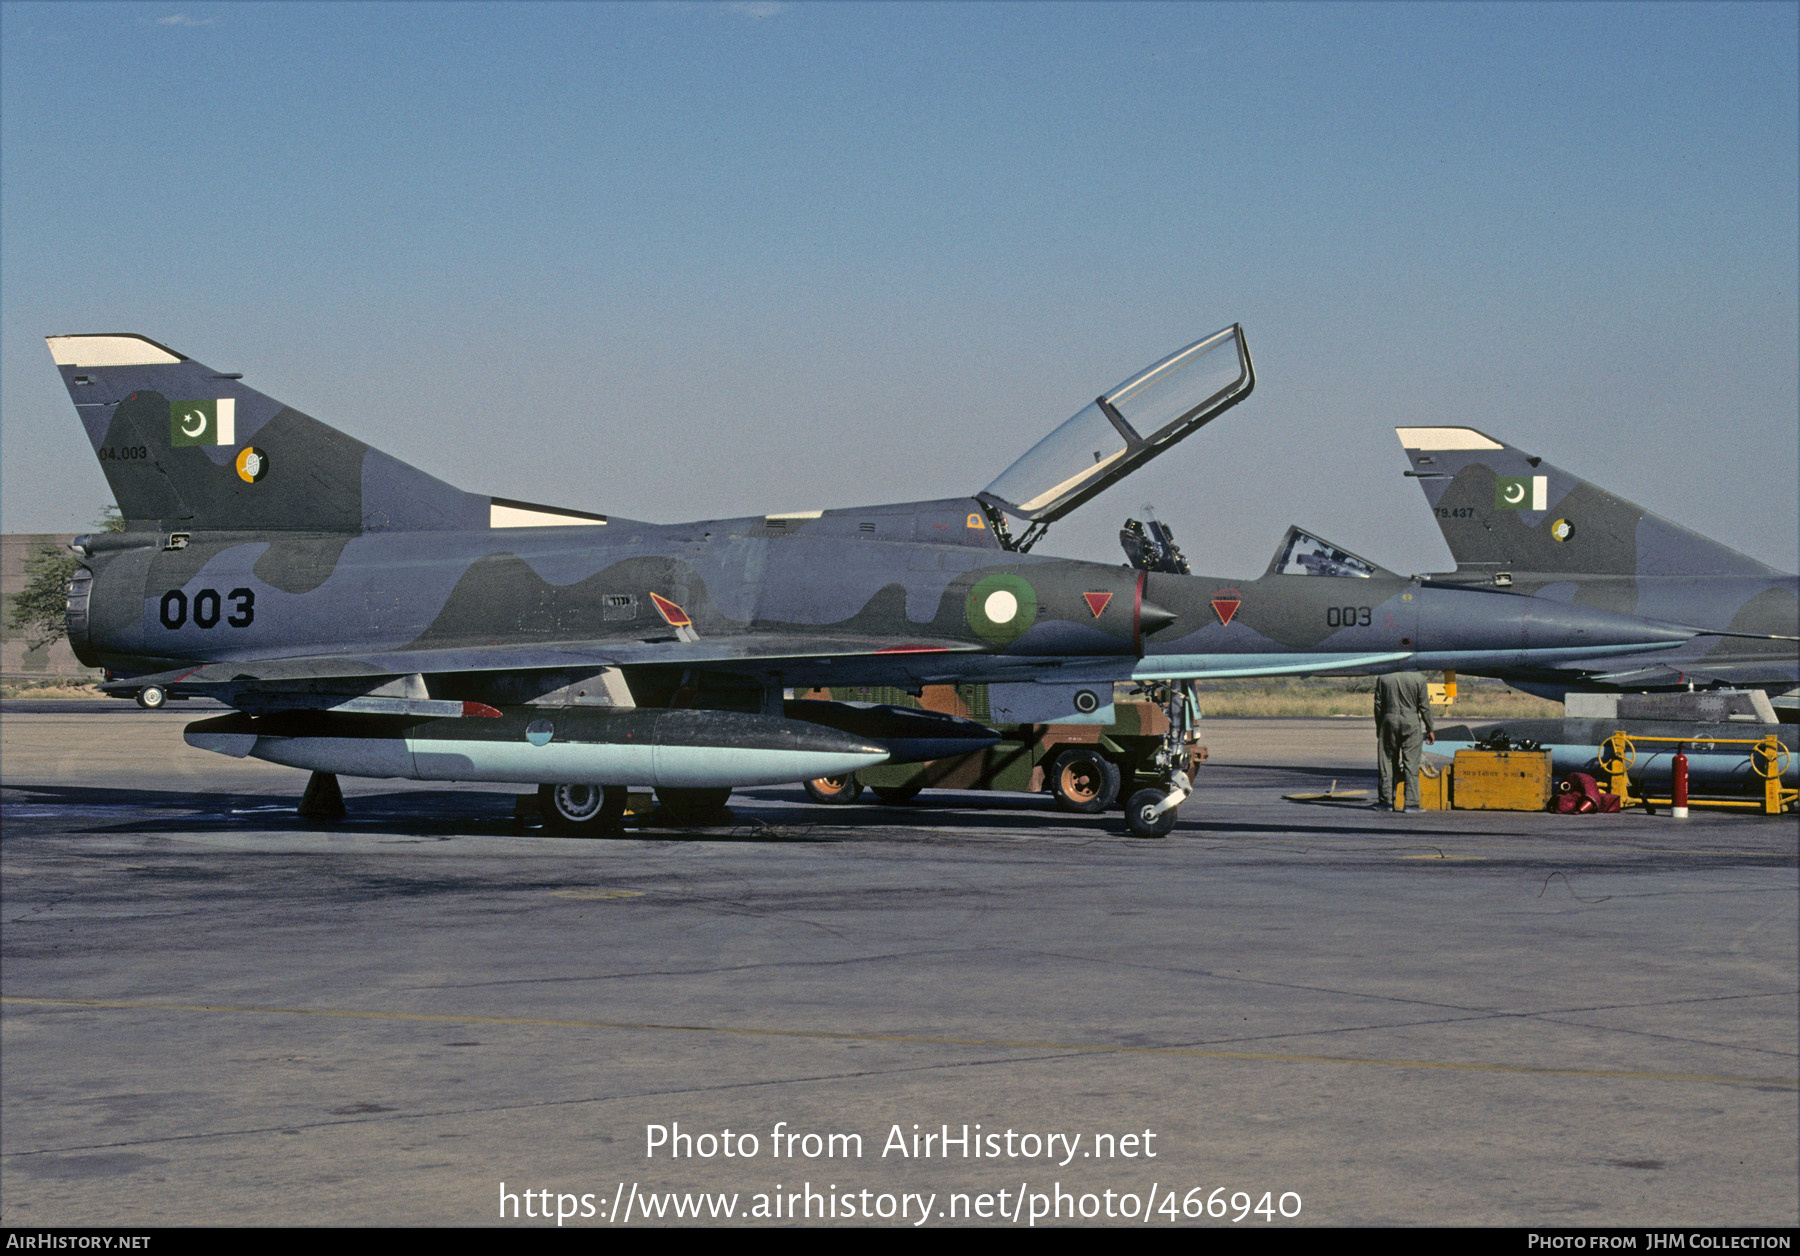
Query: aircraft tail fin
{"x": 185, "y": 447}
{"x": 1502, "y": 510}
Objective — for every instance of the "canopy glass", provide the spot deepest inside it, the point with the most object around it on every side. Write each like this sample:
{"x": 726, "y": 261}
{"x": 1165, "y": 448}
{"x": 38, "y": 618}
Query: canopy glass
{"x": 1303, "y": 554}
{"x": 1125, "y": 428}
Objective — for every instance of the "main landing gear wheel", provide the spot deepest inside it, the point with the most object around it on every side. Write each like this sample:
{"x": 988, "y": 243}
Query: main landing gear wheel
{"x": 835, "y": 790}
{"x": 693, "y": 806}
{"x": 152, "y": 697}
{"x": 583, "y": 810}
{"x": 1139, "y": 814}
{"x": 896, "y": 795}
{"x": 1084, "y": 781}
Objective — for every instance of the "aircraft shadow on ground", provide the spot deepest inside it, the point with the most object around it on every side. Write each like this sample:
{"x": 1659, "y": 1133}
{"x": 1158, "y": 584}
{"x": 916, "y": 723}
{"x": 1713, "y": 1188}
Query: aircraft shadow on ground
{"x": 403, "y": 813}
{"x": 415, "y": 812}
{"x": 774, "y": 817}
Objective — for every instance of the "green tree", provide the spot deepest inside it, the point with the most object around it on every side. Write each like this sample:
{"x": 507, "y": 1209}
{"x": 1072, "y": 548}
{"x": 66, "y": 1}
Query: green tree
{"x": 38, "y": 609}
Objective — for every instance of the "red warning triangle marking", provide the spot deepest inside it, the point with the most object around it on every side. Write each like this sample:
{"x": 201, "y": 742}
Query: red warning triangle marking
{"x": 672, "y": 614}
{"x": 1226, "y": 607}
{"x": 1096, "y": 602}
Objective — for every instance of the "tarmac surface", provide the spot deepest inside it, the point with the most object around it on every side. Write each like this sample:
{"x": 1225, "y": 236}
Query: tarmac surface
{"x": 217, "y": 1013}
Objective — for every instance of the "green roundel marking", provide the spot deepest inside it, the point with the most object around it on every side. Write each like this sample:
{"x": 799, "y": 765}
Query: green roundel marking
{"x": 1001, "y": 608}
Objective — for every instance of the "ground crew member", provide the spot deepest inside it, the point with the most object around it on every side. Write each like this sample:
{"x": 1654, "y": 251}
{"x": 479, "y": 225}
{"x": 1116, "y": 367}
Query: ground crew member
{"x": 1403, "y": 725}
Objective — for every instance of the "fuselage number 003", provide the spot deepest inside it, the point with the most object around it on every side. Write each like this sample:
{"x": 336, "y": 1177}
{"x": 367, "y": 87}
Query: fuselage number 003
{"x": 207, "y": 607}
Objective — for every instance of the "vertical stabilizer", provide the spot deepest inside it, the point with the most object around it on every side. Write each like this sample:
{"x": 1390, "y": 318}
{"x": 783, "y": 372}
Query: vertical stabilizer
{"x": 1500, "y": 509}
{"x": 187, "y": 447}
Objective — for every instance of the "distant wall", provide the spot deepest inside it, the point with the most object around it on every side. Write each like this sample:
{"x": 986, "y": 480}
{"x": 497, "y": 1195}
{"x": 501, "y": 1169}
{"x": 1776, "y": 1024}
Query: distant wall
{"x": 16, "y": 661}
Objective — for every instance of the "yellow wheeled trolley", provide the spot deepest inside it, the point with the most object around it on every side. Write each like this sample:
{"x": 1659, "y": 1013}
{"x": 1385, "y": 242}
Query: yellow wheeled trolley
{"x": 1769, "y": 759}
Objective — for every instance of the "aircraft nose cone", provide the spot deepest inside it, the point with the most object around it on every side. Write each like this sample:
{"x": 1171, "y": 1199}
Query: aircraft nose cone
{"x": 1154, "y": 618}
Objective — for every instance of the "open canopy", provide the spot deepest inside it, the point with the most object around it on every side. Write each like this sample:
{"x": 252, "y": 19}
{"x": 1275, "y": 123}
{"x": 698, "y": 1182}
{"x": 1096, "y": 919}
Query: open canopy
{"x": 1125, "y": 428}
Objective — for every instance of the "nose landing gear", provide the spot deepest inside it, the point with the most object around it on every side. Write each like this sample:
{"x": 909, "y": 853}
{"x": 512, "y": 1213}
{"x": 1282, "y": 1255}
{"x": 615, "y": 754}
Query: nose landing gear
{"x": 1151, "y": 812}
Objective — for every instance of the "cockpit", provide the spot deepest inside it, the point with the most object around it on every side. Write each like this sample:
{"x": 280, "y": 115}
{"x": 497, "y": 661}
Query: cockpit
{"x": 1303, "y": 554}
{"x": 1120, "y": 431}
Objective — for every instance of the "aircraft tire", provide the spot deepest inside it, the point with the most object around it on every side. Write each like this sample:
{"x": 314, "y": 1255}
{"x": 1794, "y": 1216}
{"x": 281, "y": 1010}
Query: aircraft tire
{"x": 1143, "y": 824}
{"x": 693, "y": 806}
{"x": 583, "y": 810}
{"x": 152, "y": 697}
{"x": 835, "y": 790}
{"x": 1084, "y": 781}
{"x": 896, "y": 795}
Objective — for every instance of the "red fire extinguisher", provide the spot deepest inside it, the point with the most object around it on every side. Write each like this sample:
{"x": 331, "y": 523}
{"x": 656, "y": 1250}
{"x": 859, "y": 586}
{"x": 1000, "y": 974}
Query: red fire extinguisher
{"x": 1678, "y": 791}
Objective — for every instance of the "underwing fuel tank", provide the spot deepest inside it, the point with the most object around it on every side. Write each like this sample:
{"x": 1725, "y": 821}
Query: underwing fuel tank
{"x": 529, "y": 745}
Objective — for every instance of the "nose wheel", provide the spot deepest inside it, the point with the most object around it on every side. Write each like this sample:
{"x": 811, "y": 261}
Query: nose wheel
{"x": 1151, "y": 812}
{"x": 1146, "y": 816}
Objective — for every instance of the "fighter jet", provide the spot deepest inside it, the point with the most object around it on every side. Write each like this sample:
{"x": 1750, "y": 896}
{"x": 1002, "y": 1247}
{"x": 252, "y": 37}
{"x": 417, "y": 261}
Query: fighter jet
{"x": 1515, "y": 522}
{"x": 365, "y": 618}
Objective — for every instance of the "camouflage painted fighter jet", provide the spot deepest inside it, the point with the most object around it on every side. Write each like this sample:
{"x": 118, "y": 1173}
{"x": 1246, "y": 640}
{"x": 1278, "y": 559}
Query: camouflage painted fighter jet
{"x": 1515, "y": 522}
{"x": 366, "y": 618}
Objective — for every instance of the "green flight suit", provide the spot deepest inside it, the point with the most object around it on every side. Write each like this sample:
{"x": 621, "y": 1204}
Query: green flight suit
{"x": 1402, "y": 721}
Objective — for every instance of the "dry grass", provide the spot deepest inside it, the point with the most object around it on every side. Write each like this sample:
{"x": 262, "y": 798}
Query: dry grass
{"x": 59, "y": 687}
{"x": 1320, "y": 698}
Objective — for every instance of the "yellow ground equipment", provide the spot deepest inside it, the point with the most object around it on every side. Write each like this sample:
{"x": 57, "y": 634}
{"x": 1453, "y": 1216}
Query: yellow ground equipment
{"x": 1769, "y": 759}
{"x": 1443, "y": 695}
{"x": 1434, "y": 789}
{"x": 1334, "y": 794}
{"x": 1502, "y": 780}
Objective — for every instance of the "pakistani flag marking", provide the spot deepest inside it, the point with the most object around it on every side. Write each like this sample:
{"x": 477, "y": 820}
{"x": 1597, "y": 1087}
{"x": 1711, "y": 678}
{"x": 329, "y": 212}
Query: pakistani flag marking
{"x": 204, "y": 422}
{"x": 1522, "y": 492}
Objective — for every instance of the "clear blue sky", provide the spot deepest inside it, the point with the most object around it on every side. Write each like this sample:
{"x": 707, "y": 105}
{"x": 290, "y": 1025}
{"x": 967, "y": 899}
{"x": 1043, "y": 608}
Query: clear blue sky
{"x": 681, "y": 260}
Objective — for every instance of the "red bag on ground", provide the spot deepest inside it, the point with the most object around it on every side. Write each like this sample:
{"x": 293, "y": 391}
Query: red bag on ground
{"x": 1579, "y": 794}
